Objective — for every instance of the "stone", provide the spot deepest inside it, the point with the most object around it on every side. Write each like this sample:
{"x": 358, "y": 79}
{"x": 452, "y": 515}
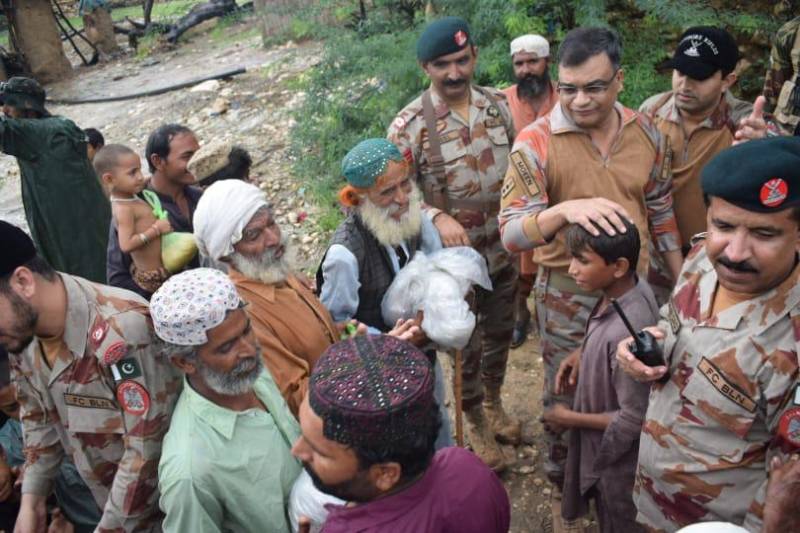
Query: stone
{"x": 210, "y": 86}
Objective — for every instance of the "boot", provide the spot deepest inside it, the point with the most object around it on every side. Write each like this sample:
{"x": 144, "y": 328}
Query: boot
{"x": 522, "y": 321}
{"x": 506, "y": 430}
{"x": 482, "y": 440}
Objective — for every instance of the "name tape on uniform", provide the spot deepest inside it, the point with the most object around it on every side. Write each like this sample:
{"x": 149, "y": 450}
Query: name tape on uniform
{"x": 721, "y": 383}
{"x": 76, "y": 400}
{"x": 523, "y": 170}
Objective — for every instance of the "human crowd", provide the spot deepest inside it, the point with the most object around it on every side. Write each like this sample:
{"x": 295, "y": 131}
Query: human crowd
{"x": 166, "y": 367}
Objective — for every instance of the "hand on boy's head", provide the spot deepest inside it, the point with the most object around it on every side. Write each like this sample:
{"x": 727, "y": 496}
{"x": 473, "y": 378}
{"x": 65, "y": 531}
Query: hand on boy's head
{"x": 635, "y": 368}
{"x": 592, "y": 213}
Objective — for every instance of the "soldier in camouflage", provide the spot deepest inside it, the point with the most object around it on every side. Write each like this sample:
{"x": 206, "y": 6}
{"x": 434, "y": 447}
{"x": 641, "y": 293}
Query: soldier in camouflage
{"x": 460, "y": 169}
{"x": 90, "y": 385}
{"x": 730, "y": 336}
{"x": 781, "y": 85}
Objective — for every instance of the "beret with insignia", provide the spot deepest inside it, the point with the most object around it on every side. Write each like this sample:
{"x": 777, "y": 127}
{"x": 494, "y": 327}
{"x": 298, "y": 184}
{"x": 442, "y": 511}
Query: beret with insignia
{"x": 441, "y": 37}
{"x": 761, "y": 175}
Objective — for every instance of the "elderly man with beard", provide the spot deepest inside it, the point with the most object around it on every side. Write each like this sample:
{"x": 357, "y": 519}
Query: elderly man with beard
{"x": 533, "y": 96}
{"x": 226, "y": 463}
{"x": 234, "y": 224}
{"x": 382, "y": 232}
{"x": 91, "y": 384}
{"x": 368, "y": 426}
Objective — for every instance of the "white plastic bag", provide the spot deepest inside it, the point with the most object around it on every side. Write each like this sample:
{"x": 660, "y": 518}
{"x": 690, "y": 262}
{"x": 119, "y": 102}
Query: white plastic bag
{"x": 437, "y": 285}
{"x": 306, "y": 500}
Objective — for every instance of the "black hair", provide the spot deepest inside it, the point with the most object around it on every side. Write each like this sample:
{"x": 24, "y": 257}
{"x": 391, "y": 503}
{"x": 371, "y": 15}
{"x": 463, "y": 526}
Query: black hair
{"x": 37, "y": 265}
{"x": 238, "y": 168}
{"x": 581, "y": 44}
{"x": 108, "y": 156}
{"x": 95, "y": 138}
{"x": 413, "y": 452}
{"x": 610, "y": 248}
{"x": 159, "y": 140}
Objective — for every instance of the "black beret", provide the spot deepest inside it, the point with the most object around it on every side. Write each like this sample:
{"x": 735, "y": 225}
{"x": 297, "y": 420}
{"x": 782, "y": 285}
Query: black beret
{"x": 441, "y": 37}
{"x": 761, "y": 175}
{"x": 17, "y": 248}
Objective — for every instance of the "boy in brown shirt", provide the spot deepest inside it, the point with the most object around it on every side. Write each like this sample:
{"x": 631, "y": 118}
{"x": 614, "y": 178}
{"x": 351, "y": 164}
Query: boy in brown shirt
{"x": 120, "y": 170}
{"x": 606, "y": 417}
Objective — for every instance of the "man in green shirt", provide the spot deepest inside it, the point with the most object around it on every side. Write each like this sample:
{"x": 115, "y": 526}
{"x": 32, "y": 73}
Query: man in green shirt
{"x": 226, "y": 463}
{"x": 67, "y": 211}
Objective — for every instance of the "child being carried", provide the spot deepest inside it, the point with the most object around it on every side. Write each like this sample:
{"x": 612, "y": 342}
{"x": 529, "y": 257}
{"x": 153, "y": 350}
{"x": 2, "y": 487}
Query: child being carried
{"x": 120, "y": 170}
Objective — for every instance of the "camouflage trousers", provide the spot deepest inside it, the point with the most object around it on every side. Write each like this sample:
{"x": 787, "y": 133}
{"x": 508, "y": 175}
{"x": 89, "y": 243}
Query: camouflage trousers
{"x": 484, "y": 358}
{"x": 562, "y": 311}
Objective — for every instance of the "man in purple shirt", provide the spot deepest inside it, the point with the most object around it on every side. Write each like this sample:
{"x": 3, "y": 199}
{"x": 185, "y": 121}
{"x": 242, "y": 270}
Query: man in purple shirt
{"x": 369, "y": 422}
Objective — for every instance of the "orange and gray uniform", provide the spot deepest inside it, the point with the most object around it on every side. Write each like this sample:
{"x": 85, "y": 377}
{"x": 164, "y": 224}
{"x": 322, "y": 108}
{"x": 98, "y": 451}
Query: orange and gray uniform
{"x": 552, "y": 161}
{"x": 524, "y": 115}
{"x": 710, "y": 431}
{"x": 475, "y": 154}
{"x": 106, "y": 402}
{"x": 690, "y": 154}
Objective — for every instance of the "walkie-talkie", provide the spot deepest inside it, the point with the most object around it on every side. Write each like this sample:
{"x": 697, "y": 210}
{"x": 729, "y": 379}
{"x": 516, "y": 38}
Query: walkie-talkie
{"x": 644, "y": 346}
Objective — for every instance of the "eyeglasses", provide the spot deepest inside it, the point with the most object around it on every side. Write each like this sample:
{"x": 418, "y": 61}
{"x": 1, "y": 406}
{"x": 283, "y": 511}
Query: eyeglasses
{"x": 593, "y": 89}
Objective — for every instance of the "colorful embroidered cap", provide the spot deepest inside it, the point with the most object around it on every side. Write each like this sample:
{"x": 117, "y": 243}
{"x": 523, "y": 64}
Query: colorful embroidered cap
{"x": 761, "y": 175}
{"x": 363, "y": 164}
{"x": 441, "y": 37}
{"x": 17, "y": 247}
{"x": 372, "y": 391}
{"x": 209, "y": 159}
{"x": 188, "y": 304}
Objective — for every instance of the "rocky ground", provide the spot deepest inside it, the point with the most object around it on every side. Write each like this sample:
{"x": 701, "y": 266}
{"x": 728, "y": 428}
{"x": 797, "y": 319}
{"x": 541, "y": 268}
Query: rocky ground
{"x": 254, "y": 109}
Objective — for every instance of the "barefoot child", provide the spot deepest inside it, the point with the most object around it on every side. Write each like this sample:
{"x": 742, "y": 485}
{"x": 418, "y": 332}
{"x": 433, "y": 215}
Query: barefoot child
{"x": 609, "y": 406}
{"x": 120, "y": 169}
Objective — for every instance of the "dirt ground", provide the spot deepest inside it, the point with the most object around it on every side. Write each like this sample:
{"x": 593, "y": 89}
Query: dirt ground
{"x": 254, "y": 110}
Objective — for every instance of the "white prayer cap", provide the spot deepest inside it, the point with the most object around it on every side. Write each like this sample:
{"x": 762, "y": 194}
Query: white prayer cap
{"x": 188, "y": 304}
{"x": 532, "y": 44}
{"x": 222, "y": 214}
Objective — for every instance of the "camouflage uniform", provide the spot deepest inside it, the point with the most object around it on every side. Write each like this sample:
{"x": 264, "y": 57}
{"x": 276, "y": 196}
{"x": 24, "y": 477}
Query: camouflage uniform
{"x": 476, "y": 156}
{"x": 553, "y": 160}
{"x": 710, "y": 430}
{"x": 781, "y": 78}
{"x": 106, "y": 403}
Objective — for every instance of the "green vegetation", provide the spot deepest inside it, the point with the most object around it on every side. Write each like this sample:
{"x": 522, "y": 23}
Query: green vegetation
{"x": 369, "y": 72}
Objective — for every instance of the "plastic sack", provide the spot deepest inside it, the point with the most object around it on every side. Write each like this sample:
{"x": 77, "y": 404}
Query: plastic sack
{"x": 178, "y": 248}
{"x": 437, "y": 285}
{"x": 307, "y": 500}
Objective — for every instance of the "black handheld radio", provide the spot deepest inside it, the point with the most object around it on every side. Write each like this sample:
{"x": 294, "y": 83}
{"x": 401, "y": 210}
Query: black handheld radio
{"x": 644, "y": 346}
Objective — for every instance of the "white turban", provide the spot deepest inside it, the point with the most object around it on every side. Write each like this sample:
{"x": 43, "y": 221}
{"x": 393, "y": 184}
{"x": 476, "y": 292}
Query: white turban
{"x": 532, "y": 44}
{"x": 222, "y": 213}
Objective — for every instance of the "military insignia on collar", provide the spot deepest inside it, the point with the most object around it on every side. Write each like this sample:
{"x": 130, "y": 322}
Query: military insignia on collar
{"x": 114, "y": 353}
{"x": 493, "y": 112}
{"x": 774, "y": 192}
{"x": 133, "y": 398}
{"x": 98, "y": 332}
{"x": 460, "y": 37}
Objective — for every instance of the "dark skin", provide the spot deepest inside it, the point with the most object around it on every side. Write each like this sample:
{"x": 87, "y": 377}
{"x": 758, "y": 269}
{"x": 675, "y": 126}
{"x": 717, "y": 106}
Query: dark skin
{"x": 171, "y": 175}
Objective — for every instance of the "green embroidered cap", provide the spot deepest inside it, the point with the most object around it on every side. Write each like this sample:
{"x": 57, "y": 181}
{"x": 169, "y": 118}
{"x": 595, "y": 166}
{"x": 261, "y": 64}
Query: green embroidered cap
{"x": 363, "y": 164}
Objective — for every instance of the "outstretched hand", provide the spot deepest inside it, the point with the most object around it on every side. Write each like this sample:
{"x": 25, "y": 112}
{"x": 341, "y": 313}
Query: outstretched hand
{"x": 753, "y": 126}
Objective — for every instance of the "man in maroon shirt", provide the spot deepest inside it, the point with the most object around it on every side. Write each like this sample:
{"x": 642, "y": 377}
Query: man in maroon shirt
{"x": 368, "y": 424}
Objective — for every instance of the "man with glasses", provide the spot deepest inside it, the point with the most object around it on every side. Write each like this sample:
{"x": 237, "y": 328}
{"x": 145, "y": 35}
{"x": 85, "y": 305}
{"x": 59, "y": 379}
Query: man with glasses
{"x": 591, "y": 161}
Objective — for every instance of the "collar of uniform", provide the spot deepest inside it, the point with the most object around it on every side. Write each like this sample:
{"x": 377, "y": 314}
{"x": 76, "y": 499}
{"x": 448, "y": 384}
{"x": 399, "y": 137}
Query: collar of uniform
{"x": 222, "y": 419}
{"x": 719, "y": 118}
{"x": 774, "y": 304}
{"x": 78, "y": 316}
{"x": 560, "y": 122}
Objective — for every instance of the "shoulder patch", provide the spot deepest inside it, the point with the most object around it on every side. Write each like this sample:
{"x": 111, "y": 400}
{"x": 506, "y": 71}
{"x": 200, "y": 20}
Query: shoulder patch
{"x": 524, "y": 174}
{"x": 115, "y": 351}
{"x": 399, "y": 123}
{"x": 133, "y": 397}
{"x": 98, "y": 332}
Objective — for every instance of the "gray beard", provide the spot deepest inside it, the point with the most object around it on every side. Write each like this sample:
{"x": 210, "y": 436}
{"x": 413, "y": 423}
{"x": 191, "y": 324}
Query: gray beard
{"x": 234, "y": 383}
{"x": 388, "y": 231}
{"x": 267, "y": 269}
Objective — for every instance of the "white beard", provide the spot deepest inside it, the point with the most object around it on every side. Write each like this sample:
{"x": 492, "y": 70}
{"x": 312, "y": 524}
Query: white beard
{"x": 267, "y": 269}
{"x": 388, "y": 231}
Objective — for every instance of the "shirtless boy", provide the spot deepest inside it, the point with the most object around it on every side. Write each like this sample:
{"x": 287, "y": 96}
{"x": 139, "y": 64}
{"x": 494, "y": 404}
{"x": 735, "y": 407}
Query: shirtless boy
{"x": 120, "y": 169}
